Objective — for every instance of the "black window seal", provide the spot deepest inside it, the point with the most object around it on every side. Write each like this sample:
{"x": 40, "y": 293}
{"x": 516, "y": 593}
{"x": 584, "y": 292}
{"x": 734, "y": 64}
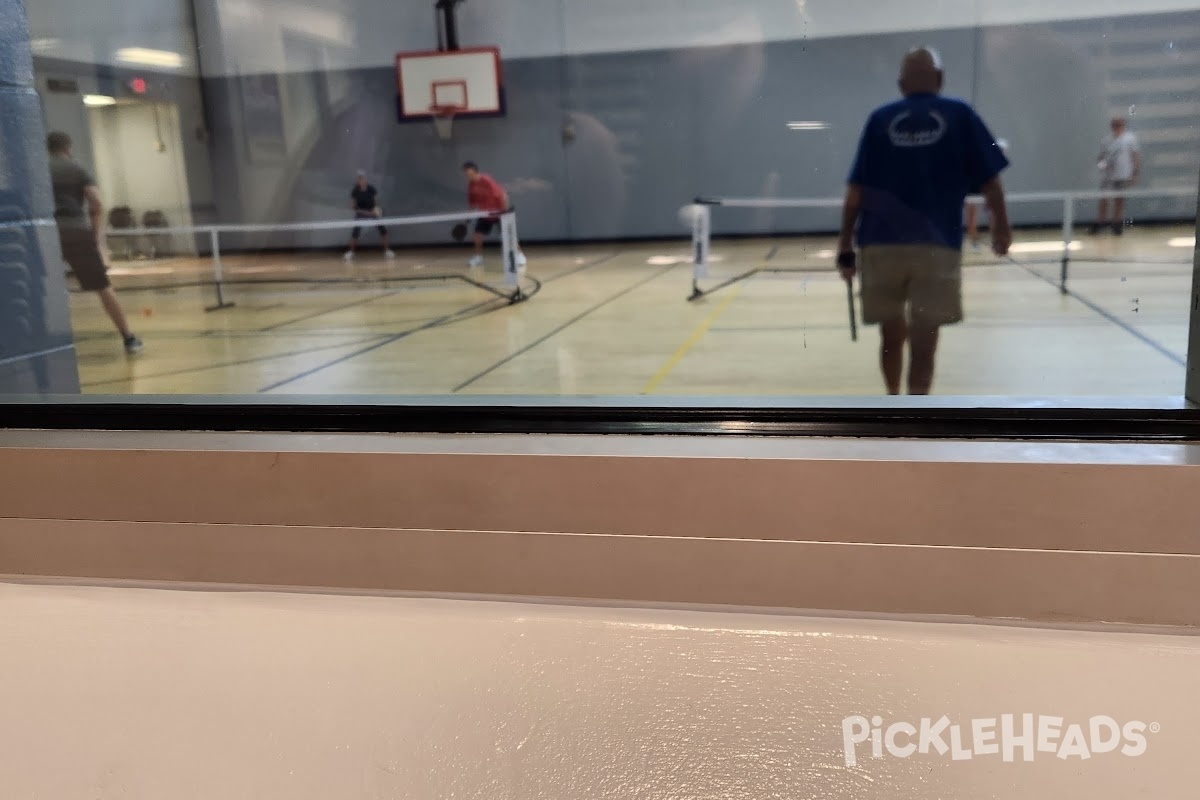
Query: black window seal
{"x": 1171, "y": 420}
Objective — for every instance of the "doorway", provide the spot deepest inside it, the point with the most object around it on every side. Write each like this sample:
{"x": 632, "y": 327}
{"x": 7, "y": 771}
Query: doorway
{"x": 137, "y": 151}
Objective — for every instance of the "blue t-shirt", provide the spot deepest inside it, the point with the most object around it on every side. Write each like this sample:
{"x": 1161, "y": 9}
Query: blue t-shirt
{"x": 917, "y": 160}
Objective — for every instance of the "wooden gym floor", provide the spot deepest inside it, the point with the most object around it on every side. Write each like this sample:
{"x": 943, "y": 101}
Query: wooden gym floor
{"x": 612, "y": 320}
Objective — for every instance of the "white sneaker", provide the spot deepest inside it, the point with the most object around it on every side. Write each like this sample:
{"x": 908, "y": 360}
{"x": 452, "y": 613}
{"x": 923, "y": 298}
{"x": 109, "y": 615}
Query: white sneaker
{"x": 389, "y": 254}
{"x": 520, "y": 259}
{"x": 349, "y": 256}
{"x": 476, "y": 261}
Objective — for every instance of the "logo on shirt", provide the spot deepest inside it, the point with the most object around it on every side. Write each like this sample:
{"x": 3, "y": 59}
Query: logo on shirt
{"x": 906, "y": 131}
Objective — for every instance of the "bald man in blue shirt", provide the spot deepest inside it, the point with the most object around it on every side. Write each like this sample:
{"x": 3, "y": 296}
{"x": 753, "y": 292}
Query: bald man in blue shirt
{"x": 917, "y": 160}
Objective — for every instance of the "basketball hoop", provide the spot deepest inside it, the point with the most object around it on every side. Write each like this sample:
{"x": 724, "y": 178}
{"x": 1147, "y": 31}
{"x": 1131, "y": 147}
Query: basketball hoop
{"x": 443, "y": 120}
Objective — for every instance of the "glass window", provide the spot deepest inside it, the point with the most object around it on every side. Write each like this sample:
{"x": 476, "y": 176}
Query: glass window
{"x": 776, "y": 203}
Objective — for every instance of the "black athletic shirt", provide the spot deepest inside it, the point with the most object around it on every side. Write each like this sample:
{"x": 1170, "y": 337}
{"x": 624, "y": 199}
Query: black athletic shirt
{"x": 364, "y": 199}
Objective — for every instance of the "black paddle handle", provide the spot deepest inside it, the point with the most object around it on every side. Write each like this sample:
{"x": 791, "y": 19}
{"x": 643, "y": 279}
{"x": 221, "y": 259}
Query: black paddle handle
{"x": 847, "y": 260}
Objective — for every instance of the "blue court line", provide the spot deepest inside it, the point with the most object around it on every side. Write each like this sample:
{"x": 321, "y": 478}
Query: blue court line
{"x": 1108, "y": 315}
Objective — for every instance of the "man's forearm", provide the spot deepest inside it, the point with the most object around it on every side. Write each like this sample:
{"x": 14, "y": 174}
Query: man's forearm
{"x": 96, "y": 218}
{"x": 851, "y": 207}
{"x": 993, "y": 195}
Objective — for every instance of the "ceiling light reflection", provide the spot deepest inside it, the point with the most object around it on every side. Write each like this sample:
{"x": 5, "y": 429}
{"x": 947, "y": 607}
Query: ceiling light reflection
{"x": 150, "y": 58}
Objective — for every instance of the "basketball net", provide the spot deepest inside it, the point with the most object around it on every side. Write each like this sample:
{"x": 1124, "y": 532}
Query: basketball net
{"x": 443, "y": 121}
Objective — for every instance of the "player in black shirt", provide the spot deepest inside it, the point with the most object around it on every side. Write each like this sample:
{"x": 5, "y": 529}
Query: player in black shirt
{"x": 364, "y": 199}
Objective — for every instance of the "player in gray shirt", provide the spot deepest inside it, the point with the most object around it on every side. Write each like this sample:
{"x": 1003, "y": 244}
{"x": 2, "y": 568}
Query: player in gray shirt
{"x": 79, "y": 214}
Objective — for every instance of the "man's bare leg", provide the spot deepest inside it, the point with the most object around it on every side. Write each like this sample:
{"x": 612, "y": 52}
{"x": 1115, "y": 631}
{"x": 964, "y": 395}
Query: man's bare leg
{"x": 893, "y": 334}
{"x": 112, "y": 306}
{"x": 1103, "y": 215}
{"x": 922, "y": 342}
{"x": 1118, "y": 217}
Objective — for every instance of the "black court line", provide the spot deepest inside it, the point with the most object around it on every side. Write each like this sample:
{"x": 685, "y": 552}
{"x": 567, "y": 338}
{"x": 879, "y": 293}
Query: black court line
{"x": 972, "y": 323}
{"x": 559, "y": 329}
{"x": 342, "y": 307}
{"x": 308, "y": 333}
{"x": 1108, "y": 315}
{"x": 777, "y": 328}
{"x": 238, "y": 363}
{"x": 582, "y": 267}
{"x": 389, "y": 340}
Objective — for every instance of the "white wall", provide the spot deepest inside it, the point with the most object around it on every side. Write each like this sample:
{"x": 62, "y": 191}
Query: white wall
{"x": 92, "y": 31}
{"x": 130, "y": 168}
{"x": 368, "y": 33}
{"x": 597, "y": 26}
{"x": 363, "y": 33}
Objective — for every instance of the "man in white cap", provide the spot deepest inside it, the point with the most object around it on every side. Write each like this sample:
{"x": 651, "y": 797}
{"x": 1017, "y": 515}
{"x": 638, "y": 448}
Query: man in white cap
{"x": 364, "y": 199}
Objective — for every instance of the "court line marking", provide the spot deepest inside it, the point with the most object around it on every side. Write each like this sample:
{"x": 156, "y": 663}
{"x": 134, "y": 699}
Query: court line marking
{"x": 335, "y": 309}
{"x": 238, "y": 363}
{"x": 1159, "y": 348}
{"x": 691, "y": 341}
{"x": 582, "y": 267}
{"x": 560, "y": 329}
{"x": 389, "y": 340}
{"x": 307, "y": 333}
{"x": 778, "y": 328}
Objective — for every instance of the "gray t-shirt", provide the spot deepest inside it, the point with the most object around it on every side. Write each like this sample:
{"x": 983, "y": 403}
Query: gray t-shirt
{"x": 70, "y": 182}
{"x": 1116, "y": 157}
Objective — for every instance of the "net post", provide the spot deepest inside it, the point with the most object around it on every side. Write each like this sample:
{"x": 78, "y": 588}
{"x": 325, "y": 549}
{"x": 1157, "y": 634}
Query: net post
{"x": 1068, "y": 229}
{"x": 701, "y": 237}
{"x": 218, "y": 271}
{"x": 510, "y": 248}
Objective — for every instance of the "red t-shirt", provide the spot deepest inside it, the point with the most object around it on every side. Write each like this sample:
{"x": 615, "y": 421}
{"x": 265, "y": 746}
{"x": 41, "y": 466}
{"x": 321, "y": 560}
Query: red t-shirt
{"x": 485, "y": 194}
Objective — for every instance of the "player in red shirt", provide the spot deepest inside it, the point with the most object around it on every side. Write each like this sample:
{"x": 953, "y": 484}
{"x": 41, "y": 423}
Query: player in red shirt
{"x": 484, "y": 194}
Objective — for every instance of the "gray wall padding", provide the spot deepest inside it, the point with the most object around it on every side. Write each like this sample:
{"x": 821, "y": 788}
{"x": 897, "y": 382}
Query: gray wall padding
{"x": 34, "y": 317}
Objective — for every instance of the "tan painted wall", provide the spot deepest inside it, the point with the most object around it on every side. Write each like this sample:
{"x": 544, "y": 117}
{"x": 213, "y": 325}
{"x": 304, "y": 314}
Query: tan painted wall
{"x": 212, "y": 686}
{"x": 1048, "y": 533}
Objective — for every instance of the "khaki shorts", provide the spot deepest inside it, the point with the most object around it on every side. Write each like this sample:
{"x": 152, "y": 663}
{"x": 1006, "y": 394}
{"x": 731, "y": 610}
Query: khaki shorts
{"x": 918, "y": 282}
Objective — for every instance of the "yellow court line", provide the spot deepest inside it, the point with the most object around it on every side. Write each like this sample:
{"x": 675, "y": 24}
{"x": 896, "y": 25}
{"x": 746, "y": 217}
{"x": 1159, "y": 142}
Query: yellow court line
{"x": 697, "y": 334}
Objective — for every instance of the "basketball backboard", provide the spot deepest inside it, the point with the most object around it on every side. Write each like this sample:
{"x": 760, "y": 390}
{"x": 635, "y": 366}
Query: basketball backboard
{"x": 467, "y": 82}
